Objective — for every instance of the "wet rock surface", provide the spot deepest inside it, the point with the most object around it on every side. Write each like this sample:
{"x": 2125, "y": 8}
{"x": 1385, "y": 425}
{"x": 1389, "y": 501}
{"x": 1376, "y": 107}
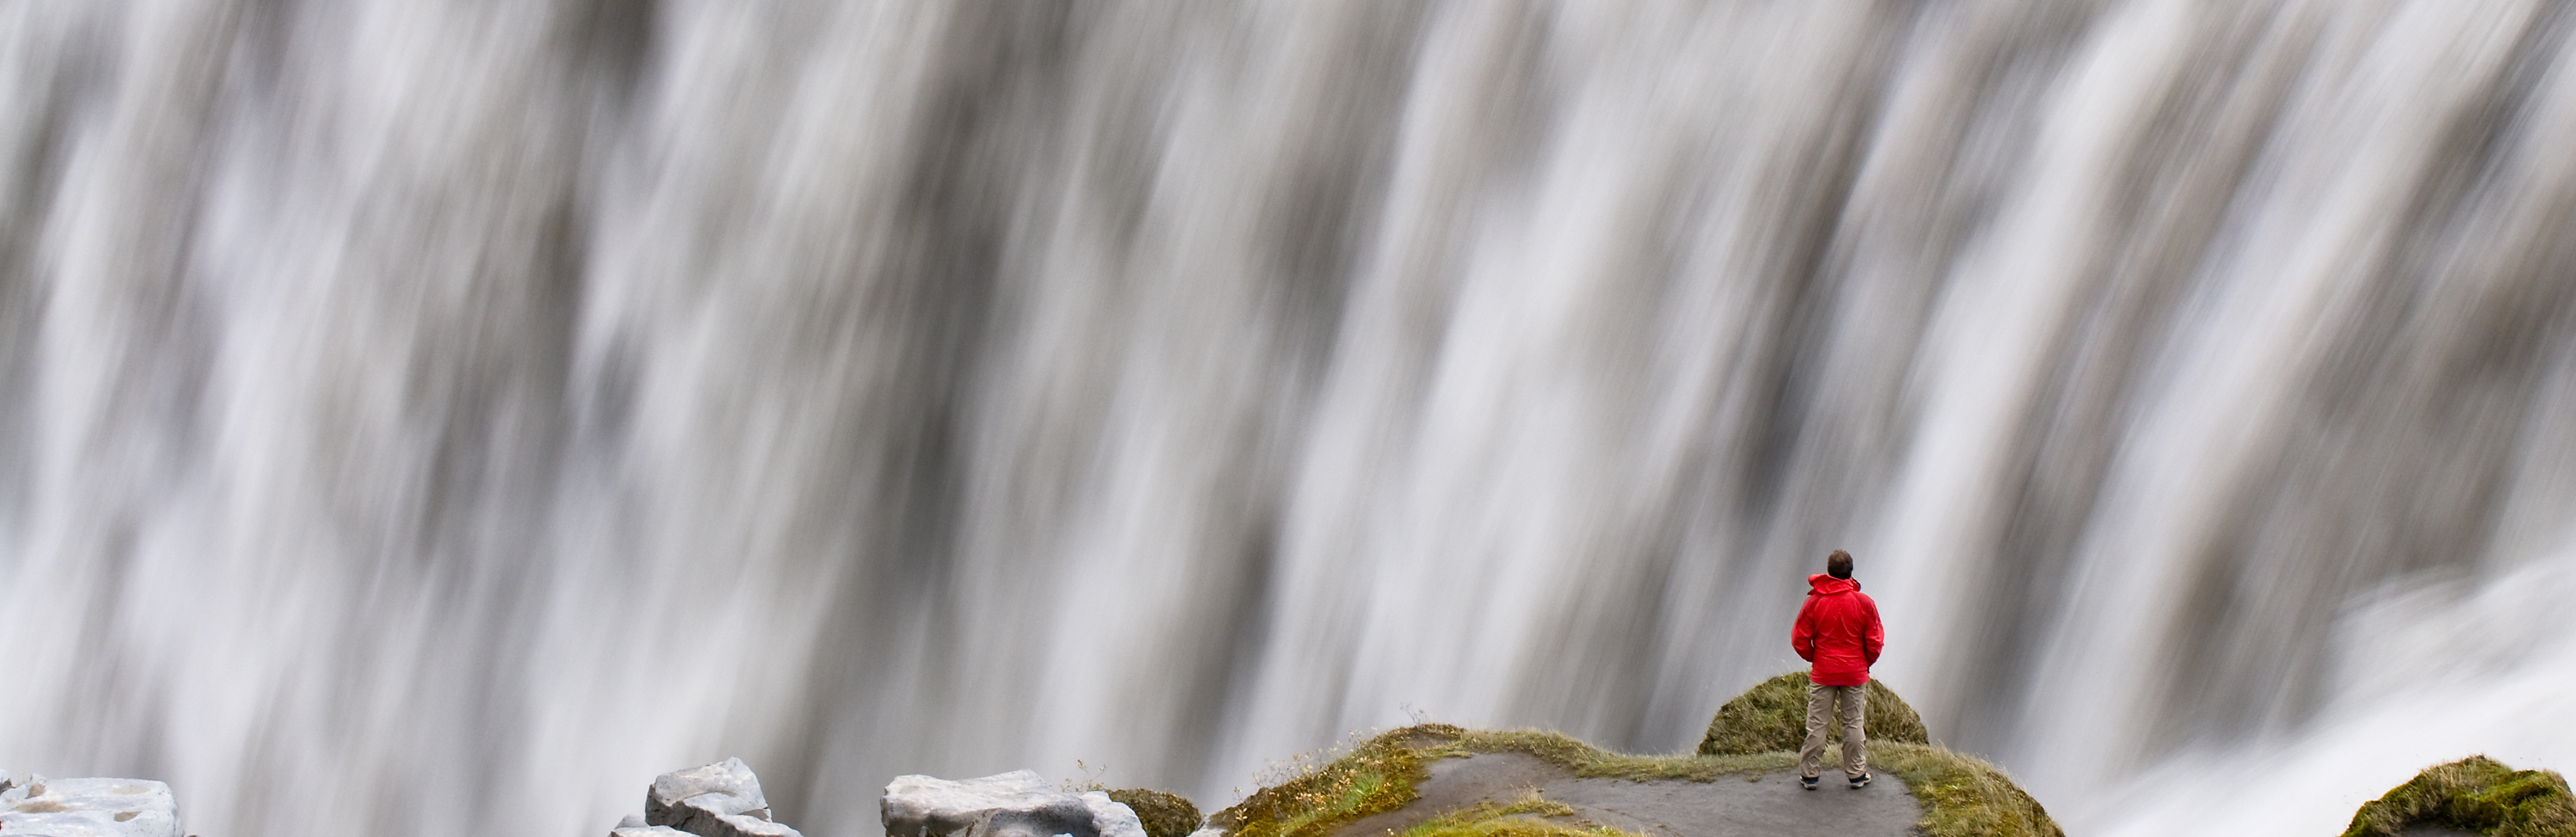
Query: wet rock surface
{"x": 1768, "y": 805}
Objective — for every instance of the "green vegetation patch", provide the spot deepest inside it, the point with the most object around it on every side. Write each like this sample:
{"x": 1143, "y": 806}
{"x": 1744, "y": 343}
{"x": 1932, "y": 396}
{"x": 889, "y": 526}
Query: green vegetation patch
{"x": 1773, "y": 716}
{"x": 1529, "y": 816}
{"x": 2477, "y": 795}
{"x": 1318, "y": 795}
{"x": 1165, "y": 814}
{"x": 1962, "y": 795}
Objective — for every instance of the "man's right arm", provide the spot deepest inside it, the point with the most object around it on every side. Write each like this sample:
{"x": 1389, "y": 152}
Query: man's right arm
{"x": 1802, "y": 637}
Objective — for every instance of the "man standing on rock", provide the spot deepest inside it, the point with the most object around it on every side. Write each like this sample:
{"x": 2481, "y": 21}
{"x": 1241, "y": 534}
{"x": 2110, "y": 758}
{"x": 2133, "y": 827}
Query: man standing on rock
{"x": 1838, "y": 632}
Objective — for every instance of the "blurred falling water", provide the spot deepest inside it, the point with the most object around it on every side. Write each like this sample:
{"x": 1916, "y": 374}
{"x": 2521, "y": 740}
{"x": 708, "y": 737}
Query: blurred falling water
{"x": 423, "y": 407}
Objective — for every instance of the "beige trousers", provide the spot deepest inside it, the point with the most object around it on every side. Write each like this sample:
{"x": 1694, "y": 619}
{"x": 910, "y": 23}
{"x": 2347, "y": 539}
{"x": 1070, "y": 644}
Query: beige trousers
{"x": 1820, "y": 705}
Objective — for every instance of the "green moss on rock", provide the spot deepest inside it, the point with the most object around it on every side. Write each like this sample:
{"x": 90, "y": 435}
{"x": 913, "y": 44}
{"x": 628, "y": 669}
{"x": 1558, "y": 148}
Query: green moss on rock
{"x": 1529, "y": 816}
{"x": 1772, "y": 716}
{"x": 1165, "y": 814}
{"x": 2477, "y": 795}
{"x": 1962, "y": 795}
{"x": 1373, "y": 778}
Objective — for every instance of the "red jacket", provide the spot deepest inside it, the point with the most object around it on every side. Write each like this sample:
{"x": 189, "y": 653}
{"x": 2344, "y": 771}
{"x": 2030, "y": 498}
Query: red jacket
{"x": 1838, "y": 631}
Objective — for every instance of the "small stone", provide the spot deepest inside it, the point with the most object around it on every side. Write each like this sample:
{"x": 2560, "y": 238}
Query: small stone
{"x": 90, "y": 808}
{"x": 1165, "y": 814}
{"x": 1014, "y": 804}
{"x": 717, "y": 800}
{"x": 648, "y": 831}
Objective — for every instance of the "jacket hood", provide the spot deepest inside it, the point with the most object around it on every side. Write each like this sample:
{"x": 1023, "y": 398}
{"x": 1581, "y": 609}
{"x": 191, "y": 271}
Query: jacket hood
{"x": 1827, "y": 585}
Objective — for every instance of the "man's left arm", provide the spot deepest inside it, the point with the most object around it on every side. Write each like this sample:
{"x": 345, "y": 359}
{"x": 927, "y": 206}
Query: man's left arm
{"x": 1874, "y": 638}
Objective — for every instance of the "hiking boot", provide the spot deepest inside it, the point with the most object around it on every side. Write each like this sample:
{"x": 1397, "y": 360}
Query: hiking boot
{"x": 1860, "y": 781}
{"x": 1808, "y": 782}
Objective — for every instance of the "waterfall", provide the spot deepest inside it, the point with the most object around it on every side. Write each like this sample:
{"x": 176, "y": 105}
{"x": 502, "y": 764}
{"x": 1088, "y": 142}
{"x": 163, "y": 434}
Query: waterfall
{"x": 421, "y": 416}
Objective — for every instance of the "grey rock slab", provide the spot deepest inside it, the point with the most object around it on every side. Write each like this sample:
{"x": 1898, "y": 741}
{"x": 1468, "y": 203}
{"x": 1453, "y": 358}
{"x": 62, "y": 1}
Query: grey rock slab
{"x": 1014, "y": 804}
{"x": 717, "y": 800}
{"x": 89, "y": 808}
{"x": 1770, "y": 804}
{"x": 1732, "y": 806}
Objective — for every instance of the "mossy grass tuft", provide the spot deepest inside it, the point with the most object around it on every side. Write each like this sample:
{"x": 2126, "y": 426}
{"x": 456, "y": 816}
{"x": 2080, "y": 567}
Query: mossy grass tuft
{"x": 1773, "y": 716}
{"x": 1164, "y": 814}
{"x": 1528, "y": 816}
{"x": 1316, "y": 796}
{"x": 1962, "y": 795}
{"x": 2477, "y": 795}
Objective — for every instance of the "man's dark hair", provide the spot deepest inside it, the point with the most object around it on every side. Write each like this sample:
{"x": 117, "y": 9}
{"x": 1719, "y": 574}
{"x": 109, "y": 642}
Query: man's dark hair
{"x": 1838, "y": 564}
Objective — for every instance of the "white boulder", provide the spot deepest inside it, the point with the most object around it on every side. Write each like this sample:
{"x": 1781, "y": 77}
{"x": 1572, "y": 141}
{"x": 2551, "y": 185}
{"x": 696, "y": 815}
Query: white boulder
{"x": 717, "y": 800}
{"x": 89, "y": 808}
{"x": 1014, "y": 804}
